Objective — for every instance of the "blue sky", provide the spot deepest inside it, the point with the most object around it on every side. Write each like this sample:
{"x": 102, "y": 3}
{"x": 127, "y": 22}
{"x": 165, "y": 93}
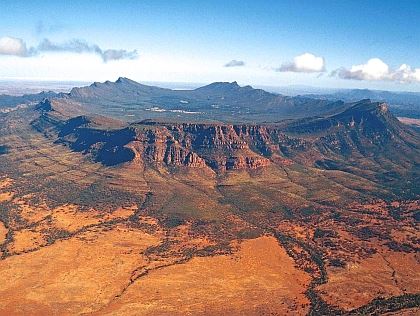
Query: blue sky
{"x": 317, "y": 43}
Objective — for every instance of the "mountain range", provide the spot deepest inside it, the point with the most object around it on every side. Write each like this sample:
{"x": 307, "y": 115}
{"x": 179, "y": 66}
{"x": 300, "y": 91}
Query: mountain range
{"x": 170, "y": 201}
{"x": 220, "y": 101}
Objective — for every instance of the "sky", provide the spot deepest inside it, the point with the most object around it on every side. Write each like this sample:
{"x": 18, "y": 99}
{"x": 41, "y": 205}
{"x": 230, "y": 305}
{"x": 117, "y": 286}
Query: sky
{"x": 332, "y": 44}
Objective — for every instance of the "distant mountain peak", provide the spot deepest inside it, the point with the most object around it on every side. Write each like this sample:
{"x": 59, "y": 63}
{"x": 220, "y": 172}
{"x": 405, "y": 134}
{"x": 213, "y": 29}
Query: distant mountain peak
{"x": 221, "y": 86}
{"x": 125, "y": 80}
{"x": 121, "y": 80}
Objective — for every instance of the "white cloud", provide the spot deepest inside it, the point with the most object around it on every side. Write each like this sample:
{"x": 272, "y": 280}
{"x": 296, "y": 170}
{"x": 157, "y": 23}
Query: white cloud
{"x": 375, "y": 69}
{"x": 235, "y": 63}
{"x": 304, "y": 63}
{"x": 13, "y": 46}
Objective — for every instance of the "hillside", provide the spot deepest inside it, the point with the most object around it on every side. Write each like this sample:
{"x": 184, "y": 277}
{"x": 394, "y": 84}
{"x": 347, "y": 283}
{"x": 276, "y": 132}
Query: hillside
{"x": 401, "y": 103}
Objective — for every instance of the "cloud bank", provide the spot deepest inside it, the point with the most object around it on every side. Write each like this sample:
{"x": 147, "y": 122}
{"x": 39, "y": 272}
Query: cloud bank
{"x": 17, "y": 47}
{"x": 306, "y": 63}
{"x": 235, "y": 63}
{"x": 80, "y": 46}
{"x": 13, "y": 46}
{"x": 375, "y": 69}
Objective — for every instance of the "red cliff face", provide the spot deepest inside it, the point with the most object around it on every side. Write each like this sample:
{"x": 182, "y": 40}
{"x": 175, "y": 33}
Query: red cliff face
{"x": 198, "y": 145}
{"x": 159, "y": 147}
{"x": 246, "y": 162}
{"x": 216, "y": 146}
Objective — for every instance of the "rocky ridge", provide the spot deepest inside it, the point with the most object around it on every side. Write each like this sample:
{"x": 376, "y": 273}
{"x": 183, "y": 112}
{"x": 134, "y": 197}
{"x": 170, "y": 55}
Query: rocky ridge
{"x": 366, "y": 129}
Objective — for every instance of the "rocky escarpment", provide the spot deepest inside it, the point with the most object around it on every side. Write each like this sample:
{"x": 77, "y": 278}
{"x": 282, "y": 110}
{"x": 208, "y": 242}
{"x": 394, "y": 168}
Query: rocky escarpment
{"x": 220, "y": 147}
{"x": 365, "y": 130}
{"x": 158, "y": 146}
{"x": 194, "y": 145}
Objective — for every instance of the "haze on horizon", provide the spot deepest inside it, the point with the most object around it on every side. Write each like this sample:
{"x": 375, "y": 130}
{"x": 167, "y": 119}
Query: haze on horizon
{"x": 334, "y": 44}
